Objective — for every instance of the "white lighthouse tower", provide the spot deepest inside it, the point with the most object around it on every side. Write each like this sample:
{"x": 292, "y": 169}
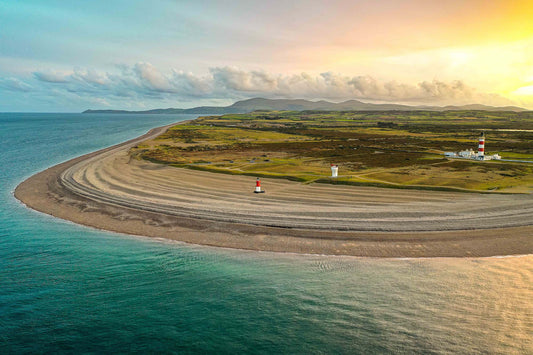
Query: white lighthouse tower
{"x": 334, "y": 170}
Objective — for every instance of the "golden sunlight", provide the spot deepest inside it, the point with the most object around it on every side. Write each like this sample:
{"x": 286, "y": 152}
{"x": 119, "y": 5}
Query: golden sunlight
{"x": 524, "y": 90}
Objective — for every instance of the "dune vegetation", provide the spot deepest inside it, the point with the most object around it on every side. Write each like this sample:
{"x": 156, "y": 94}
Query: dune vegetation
{"x": 402, "y": 149}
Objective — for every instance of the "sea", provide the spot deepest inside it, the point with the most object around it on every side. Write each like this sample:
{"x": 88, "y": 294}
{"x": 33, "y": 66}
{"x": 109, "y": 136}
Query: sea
{"x": 66, "y": 288}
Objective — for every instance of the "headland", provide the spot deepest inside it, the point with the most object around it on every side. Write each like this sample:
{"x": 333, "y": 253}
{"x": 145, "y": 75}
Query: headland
{"x": 114, "y": 189}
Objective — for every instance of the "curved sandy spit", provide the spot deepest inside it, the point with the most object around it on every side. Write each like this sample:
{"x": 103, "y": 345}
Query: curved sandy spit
{"x": 109, "y": 190}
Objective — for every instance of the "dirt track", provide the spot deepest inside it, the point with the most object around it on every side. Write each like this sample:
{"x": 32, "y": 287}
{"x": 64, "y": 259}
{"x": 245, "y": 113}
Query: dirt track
{"x": 109, "y": 190}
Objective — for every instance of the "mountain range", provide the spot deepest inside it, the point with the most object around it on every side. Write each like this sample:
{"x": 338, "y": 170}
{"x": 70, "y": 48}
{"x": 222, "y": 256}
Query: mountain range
{"x": 254, "y": 104}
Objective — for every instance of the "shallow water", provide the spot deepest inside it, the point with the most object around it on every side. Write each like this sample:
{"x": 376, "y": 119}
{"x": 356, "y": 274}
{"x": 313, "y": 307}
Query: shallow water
{"x": 68, "y": 288}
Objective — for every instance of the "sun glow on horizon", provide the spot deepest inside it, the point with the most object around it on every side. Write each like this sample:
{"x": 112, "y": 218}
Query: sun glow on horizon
{"x": 524, "y": 90}
{"x": 488, "y": 46}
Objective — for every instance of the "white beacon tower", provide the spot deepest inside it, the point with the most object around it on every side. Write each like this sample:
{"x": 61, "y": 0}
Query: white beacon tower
{"x": 334, "y": 170}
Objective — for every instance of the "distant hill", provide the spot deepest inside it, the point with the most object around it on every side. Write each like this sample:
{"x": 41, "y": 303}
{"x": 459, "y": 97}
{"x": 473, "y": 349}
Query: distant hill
{"x": 250, "y": 105}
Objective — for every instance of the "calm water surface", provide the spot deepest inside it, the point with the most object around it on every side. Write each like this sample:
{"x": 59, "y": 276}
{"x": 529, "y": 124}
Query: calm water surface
{"x": 66, "y": 288}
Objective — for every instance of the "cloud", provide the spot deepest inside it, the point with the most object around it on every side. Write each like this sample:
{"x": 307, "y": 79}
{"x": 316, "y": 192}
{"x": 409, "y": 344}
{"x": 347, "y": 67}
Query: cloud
{"x": 335, "y": 86}
{"x": 50, "y": 77}
{"x": 102, "y": 102}
{"x": 14, "y": 84}
{"x": 151, "y": 78}
{"x": 246, "y": 81}
{"x": 191, "y": 85}
{"x": 524, "y": 90}
{"x": 90, "y": 77}
{"x": 143, "y": 81}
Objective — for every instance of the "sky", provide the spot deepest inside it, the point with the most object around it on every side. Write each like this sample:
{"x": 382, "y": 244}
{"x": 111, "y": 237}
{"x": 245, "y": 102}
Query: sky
{"x": 68, "y": 56}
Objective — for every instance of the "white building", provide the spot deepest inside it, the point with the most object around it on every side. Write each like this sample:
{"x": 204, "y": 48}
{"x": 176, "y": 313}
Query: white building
{"x": 469, "y": 154}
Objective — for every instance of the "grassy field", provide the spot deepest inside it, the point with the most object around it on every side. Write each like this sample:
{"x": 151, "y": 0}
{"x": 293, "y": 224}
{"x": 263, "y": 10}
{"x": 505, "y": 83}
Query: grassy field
{"x": 391, "y": 149}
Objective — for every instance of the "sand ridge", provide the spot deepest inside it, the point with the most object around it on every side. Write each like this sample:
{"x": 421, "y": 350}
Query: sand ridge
{"x": 110, "y": 190}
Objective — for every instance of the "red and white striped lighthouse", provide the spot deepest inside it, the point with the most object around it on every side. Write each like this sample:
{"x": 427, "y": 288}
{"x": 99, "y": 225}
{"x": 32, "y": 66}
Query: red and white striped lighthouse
{"x": 481, "y": 147}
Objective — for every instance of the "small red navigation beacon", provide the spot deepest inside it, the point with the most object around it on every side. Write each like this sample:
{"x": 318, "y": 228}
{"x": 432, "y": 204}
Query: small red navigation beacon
{"x": 258, "y": 187}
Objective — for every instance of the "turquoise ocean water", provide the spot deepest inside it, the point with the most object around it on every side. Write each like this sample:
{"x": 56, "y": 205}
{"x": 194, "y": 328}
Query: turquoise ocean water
{"x": 65, "y": 288}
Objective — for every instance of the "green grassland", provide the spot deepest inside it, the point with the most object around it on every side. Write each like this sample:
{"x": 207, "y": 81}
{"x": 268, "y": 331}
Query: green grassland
{"x": 402, "y": 149}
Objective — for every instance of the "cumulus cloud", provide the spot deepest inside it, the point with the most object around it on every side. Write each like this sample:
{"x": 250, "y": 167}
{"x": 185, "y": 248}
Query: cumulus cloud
{"x": 151, "y": 78}
{"x": 143, "y": 80}
{"x": 246, "y": 81}
{"x": 335, "y": 86}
